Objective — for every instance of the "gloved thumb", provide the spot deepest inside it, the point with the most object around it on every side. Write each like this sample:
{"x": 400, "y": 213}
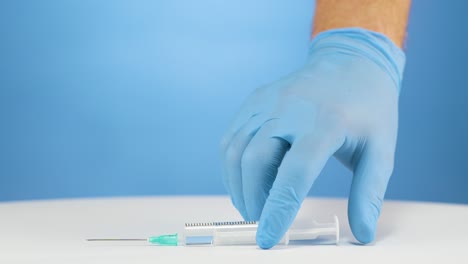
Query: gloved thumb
{"x": 371, "y": 176}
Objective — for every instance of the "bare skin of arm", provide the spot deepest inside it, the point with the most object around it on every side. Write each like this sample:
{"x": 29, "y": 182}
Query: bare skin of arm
{"x": 388, "y": 17}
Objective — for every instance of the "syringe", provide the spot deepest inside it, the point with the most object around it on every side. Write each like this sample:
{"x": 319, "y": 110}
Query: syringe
{"x": 236, "y": 233}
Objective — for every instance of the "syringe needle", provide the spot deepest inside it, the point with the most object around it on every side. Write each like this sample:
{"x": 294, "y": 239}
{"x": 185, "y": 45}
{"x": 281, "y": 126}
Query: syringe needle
{"x": 164, "y": 240}
{"x": 116, "y": 239}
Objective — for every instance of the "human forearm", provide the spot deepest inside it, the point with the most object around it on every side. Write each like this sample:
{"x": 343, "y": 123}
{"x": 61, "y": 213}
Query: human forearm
{"x": 388, "y": 17}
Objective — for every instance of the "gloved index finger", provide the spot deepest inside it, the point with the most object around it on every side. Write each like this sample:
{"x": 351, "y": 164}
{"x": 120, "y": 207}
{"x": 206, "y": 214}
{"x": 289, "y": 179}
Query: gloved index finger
{"x": 298, "y": 171}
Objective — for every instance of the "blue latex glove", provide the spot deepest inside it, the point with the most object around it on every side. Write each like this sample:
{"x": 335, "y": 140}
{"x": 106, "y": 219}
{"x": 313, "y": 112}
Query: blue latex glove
{"x": 342, "y": 103}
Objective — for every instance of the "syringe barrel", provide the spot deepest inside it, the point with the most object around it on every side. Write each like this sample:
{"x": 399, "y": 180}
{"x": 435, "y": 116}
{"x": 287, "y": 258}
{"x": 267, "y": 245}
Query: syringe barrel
{"x": 244, "y": 233}
{"x": 220, "y": 233}
{"x": 239, "y": 237}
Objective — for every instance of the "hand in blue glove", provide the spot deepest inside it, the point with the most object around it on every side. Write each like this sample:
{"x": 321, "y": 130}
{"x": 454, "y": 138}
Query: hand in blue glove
{"x": 342, "y": 103}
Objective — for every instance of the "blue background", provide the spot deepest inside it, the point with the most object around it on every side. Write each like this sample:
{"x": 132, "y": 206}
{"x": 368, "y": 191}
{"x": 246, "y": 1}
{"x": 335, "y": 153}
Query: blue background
{"x": 110, "y": 98}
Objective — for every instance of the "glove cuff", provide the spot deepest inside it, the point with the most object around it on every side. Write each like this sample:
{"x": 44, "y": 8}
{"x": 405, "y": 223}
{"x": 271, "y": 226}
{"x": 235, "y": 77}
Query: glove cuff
{"x": 373, "y": 45}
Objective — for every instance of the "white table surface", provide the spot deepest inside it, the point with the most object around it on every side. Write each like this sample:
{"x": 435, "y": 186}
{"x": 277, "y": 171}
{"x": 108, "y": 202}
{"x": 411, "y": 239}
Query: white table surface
{"x": 54, "y": 231}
